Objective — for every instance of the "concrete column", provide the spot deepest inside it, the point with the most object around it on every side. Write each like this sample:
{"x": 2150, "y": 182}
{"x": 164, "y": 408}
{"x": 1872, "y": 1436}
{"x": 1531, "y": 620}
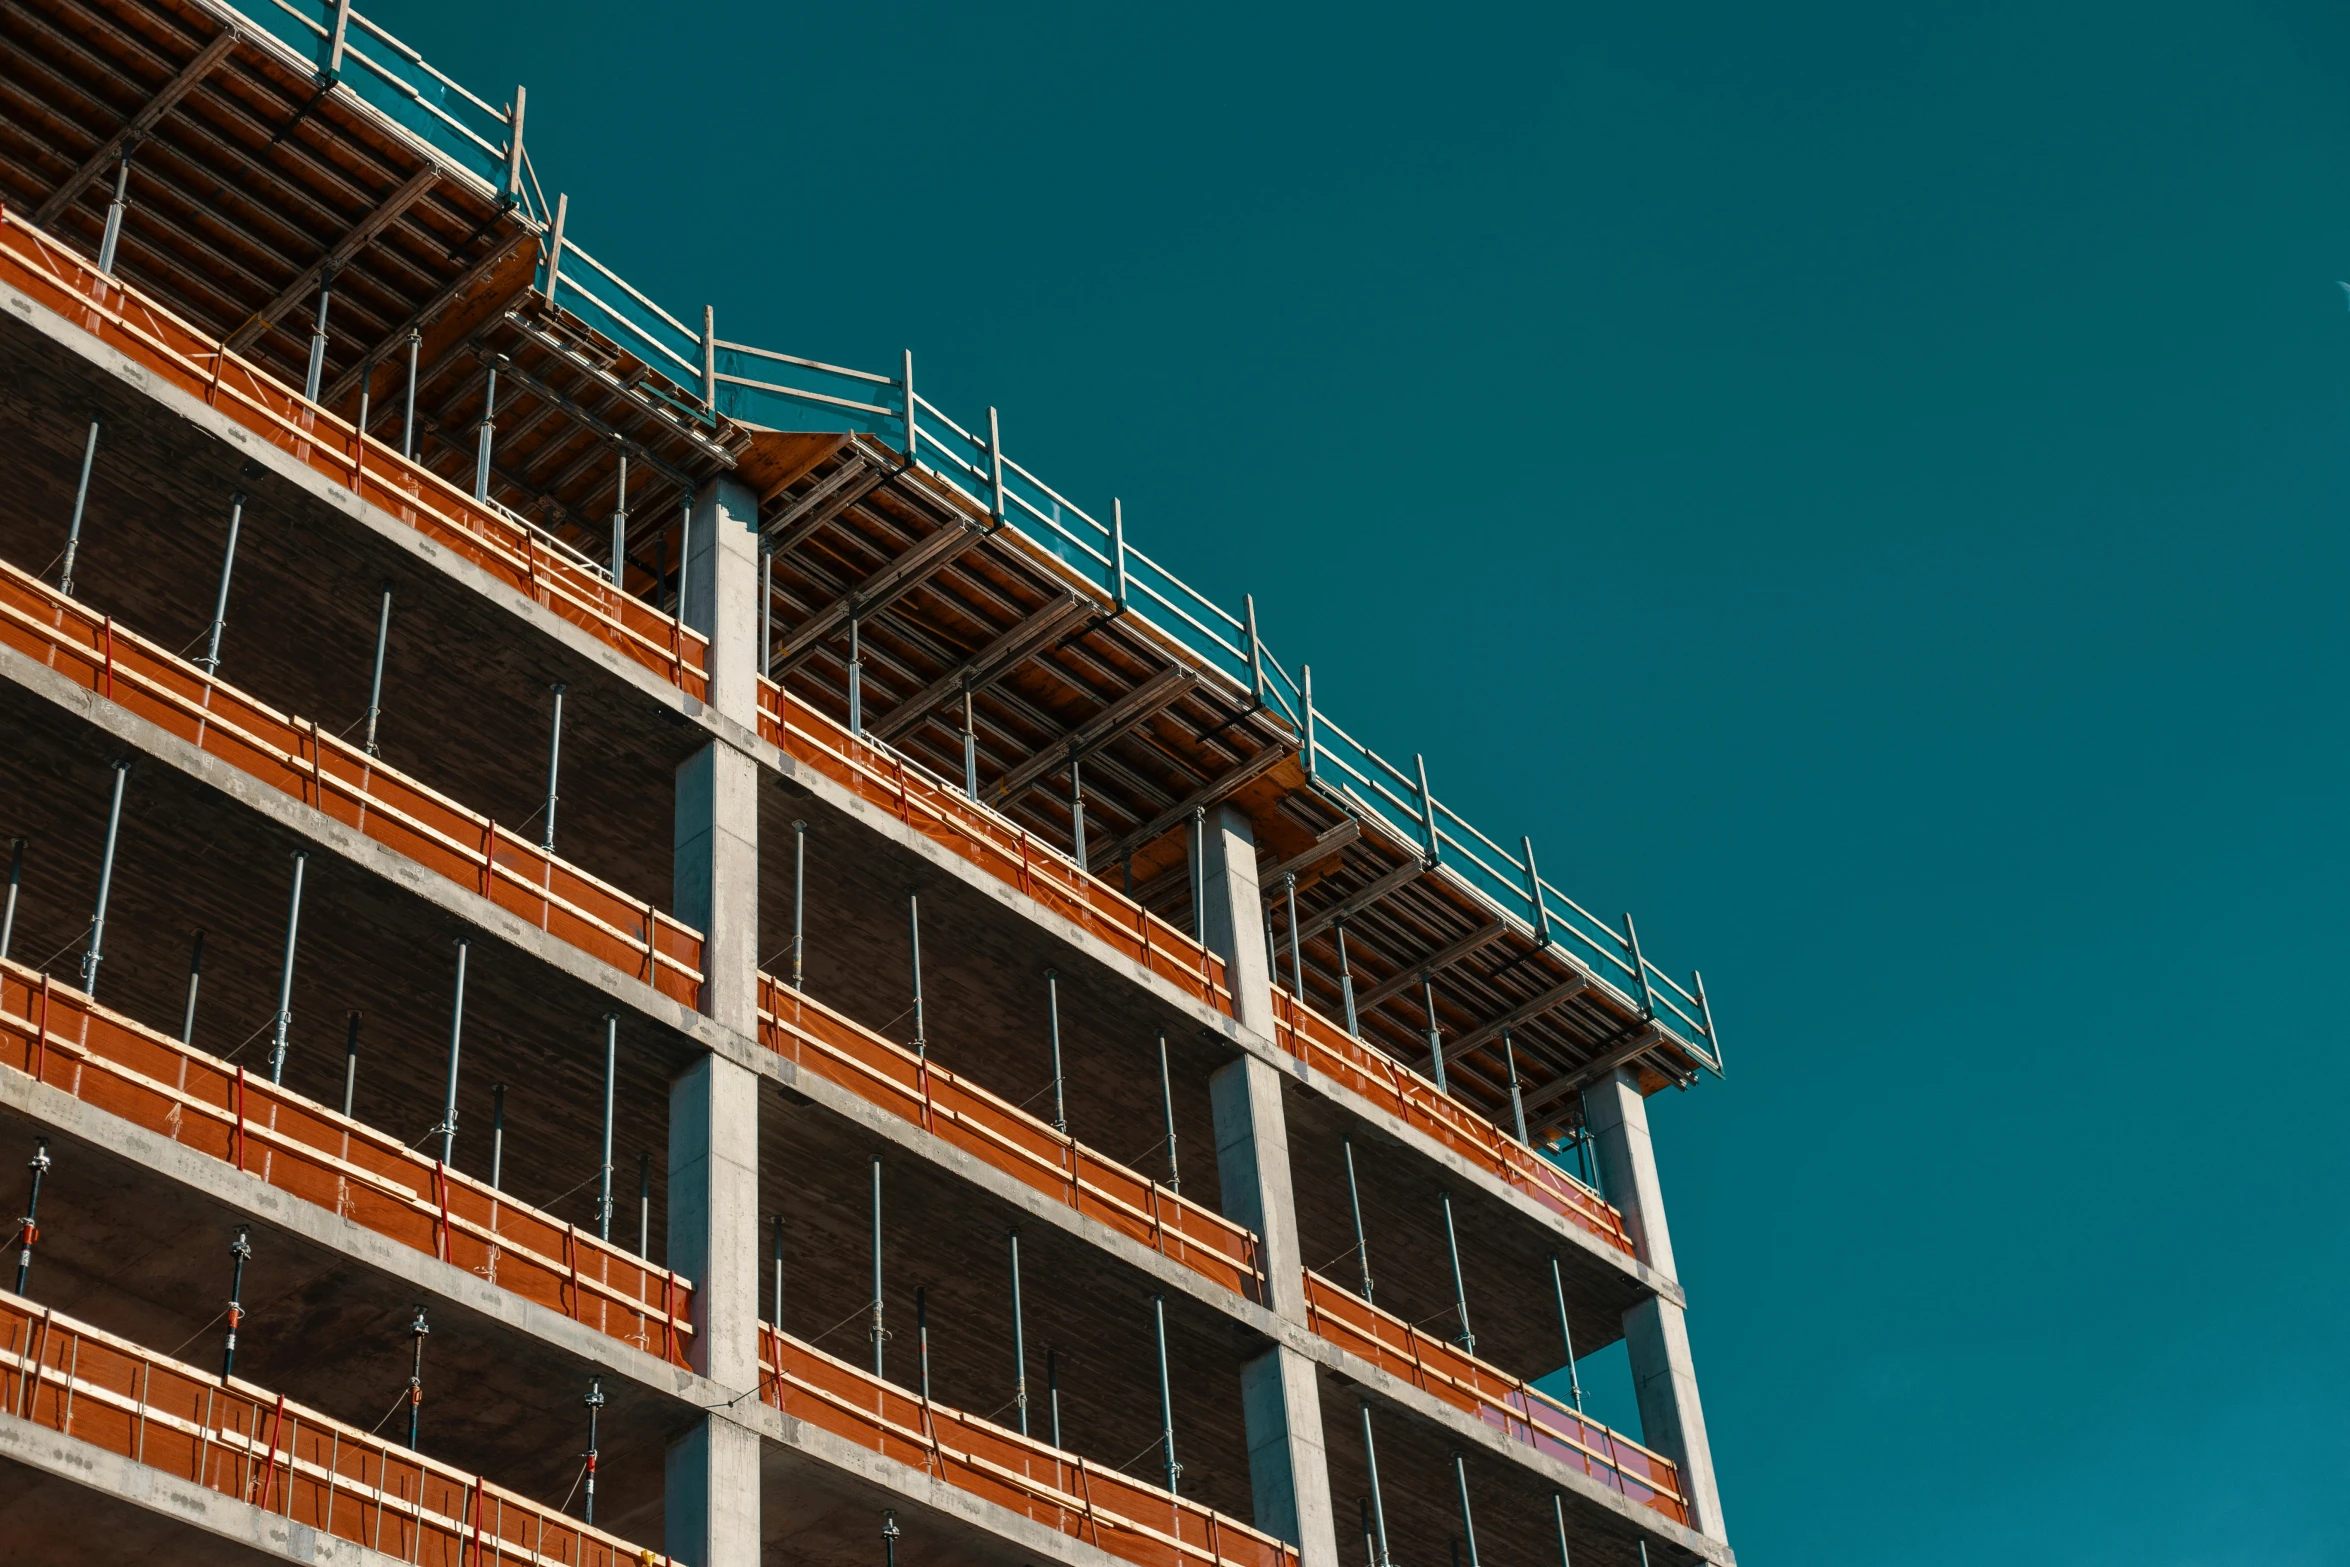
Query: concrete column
{"x": 711, "y": 1501}
{"x": 1289, "y": 1478}
{"x": 1656, "y": 1332}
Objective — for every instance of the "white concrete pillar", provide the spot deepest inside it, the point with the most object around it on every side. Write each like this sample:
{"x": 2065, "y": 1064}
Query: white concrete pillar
{"x": 711, "y": 1500}
{"x": 1656, "y": 1332}
{"x": 1289, "y": 1477}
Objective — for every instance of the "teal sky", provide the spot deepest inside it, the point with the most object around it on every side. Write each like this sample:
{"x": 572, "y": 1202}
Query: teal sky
{"x": 1859, "y": 485}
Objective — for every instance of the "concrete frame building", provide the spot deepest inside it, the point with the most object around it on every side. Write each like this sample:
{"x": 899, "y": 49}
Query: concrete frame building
{"x": 621, "y": 946}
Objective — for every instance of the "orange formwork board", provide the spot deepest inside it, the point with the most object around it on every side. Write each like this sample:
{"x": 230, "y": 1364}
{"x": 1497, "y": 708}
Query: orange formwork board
{"x": 258, "y": 1447}
{"x": 296, "y": 757}
{"x": 1321, "y": 1044}
{"x": 1130, "y": 1520}
{"x": 882, "y": 1072}
{"x": 1001, "y": 848}
{"x": 1519, "y": 1411}
{"x": 59, "y": 1036}
{"x": 532, "y": 564}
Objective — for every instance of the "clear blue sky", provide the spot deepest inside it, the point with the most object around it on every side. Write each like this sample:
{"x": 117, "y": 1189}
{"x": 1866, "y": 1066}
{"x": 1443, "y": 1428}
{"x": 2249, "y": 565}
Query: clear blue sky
{"x": 1861, "y": 485}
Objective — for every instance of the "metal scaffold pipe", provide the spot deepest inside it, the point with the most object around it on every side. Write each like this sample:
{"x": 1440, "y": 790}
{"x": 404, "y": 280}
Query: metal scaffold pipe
{"x": 620, "y": 525}
{"x": 111, "y": 239}
{"x": 1509, "y": 1059}
{"x": 604, "y": 1161}
{"x": 350, "y": 1064}
{"x": 856, "y": 678}
{"x": 317, "y": 371}
{"x": 1174, "y": 1470}
{"x": 1167, "y": 1105}
{"x": 1076, "y": 807}
{"x": 595, "y": 1407}
{"x": 448, "y": 1126}
{"x": 29, "y": 1231}
{"x": 922, "y": 1340}
{"x": 1052, "y": 1007}
{"x": 1297, "y": 957}
{"x": 1052, "y": 1391}
{"x": 554, "y": 766}
{"x": 775, "y": 1307}
{"x": 880, "y": 1334}
{"x": 914, "y": 933}
{"x": 195, "y": 978}
{"x": 1435, "y": 1037}
{"x": 95, "y": 953}
{"x": 1558, "y": 1516}
{"x": 799, "y": 904}
{"x": 285, "y": 975}
{"x": 408, "y": 418}
{"x": 418, "y": 1330}
{"x": 1460, "y": 1296}
{"x": 1460, "y": 1478}
{"x": 970, "y": 748}
{"x": 1019, "y": 1342}
{"x": 1558, "y": 1292}
{"x": 375, "y": 680}
{"x": 766, "y": 610}
{"x": 1378, "y": 1507}
{"x": 644, "y": 1206}
{"x": 240, "y": 1251}
{"x": 497, "y": 1137}
{"x": 1354, "y": 1203}
{"x": 487, "y": 434}
{"x": 1199, "y": 872}
{"x": 1346, "y": 978}
{"x": 16, "y": 847}
{"x": 228, "y": 564}
{"x": 81, "y": 502}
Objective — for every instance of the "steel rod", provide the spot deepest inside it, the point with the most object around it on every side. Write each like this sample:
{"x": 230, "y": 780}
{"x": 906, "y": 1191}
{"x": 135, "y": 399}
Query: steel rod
{"x": 350, "y": 1064}
{"x": 1167, "y": 1105}
{"x": 1052, "y": 1007}
{"x": 604, "y": 1162}
{"x": 1052, "y": 1390}
{"x": 922, "y": 1338}
{"x": 30, "y": 1231}
{"x": 95, "y": 953}
{"x": 448, "y": 1127}
{"x": 1460, "y": 1296}
{"x": 554, "y": 766}
{"x": 81, "y": 501}
{"x": 375, "y": 679}
{"x": 283, "y": 1024}
{"x": 775, "y": 1306}
{"x": 228, "y": 563}
{"x": 766, "y": 611}
{"x": 1558, "y": 1292}
{"x": 195, "y": 979}
{"x": 1019, "y": 1341}
{"x": 1174, "y": 1470}
{"x": 1199, "y": 873}
{"x": 1558, "y": 1516}
{"x": 1354, "y": 1203}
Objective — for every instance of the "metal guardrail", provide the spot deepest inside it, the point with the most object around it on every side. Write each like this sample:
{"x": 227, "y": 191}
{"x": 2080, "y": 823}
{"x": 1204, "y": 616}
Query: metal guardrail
{"x": 261, "y": 1448}
{"x": 57, "y": 1035}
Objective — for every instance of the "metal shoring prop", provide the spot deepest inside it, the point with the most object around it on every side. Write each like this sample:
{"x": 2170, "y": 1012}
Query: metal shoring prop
{"x": 970, "y": 747}
{"x": 1370, "y": 1541}
{"x": 326, "y": 294}
{"x": 111, "y": 239}
{"x": 1460, "y": 1296}
{"x": 620, "y": 525}
{"x": 1297, "y": 960}
{"x": 228, "y": 562}
{"x": 799, "y": 903}
{"x": 15, "y": 882}
{"x": 1435, "y": 1039}
{"x": 1534, "y": 893}
{"x": 1558, "y": 1290}
{"x": 766, "y": 610}
{"x": 604, "y": 1164}
{"x": 95, "y": 953}
{"x": 1076, "y": 807}
{"x": 595, "y": 1407}
{"x": 775, "y": 1310}
{"x": 497, "y": 1136}
{"x": 1166, "y": 1394}
{"x": 350, "y": 1064}
{"x": 554, "y": 767}
{"x": 375, "y": 681}
{"x": 1509, "y": 1059}
{"x": 914, "y": 930}
{"x": 487, "y": 434}
{"x": 889, "y": 1537}
{"x": 685, "y": 545}
{"x": 417, "y": 1329}
{"x": 922, "y": 1338}
{"x": 408, "y": 419}
{"x": 240, "y": 1251}
{"x": 1346, "y": 978}
{"x": 1167, "y": 1103}
{"x": 1558, "y": 1514}
{"x": 1199, "y": 889}
{"x": 195, "y": 978}
{"x": 644, "y": 1205}
{"x": 880, "y": 1334}
{"x": 1052, "y": 1006}
{"x": 1052, "y": 1391}
{"x": 1019, "y": 1343}
{"x": 1378, "y": 1507}
{"x": 448, "y": 1126}
{"x": 31, "y": 1229}
{"x": 1354, "y": 1203}
{"x": 81, "y": 501}
{"x": 856, "y": 679}
{"x": 284, "y": 1020}
{"x": 1460, "y": 1480}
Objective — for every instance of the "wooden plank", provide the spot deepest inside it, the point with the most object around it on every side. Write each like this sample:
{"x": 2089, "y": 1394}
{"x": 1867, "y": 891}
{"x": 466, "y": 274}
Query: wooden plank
{"x": 1105, "y": 726}
{"x": 140, "y": 123}
{"x": 1206, "y": 795}
{"x": 1625, "y": 1046}
{"x": 1565, "y": 990}
{"x": 1402, "y": 876}
{"x": 1000, "y": 655}
{"x": 504, "y": 284}
{"x": 912, "y": 567}
{"x": 386, "y": 213}
{"x": 1434, "y": 963}
{"x": 1329, "y": 843}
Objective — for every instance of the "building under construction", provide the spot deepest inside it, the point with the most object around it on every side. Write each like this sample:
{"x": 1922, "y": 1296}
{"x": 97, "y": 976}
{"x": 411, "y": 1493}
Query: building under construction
{"x": 625, "y": 947}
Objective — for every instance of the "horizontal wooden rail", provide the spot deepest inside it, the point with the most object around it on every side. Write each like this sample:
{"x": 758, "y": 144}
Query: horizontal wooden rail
{"x": 59, "y": 1036}
{"x": 1518, "y": 1409}
{"x": 296, "y": 757}
{"x": 1129, "y": 1519}
{"x": 58, "y": 278}
{"x": 1321, "y": 1044}
{"x": 999, "y": 847}
{"x": 885, "y": 1073}
{"x": 261, "y": 1448}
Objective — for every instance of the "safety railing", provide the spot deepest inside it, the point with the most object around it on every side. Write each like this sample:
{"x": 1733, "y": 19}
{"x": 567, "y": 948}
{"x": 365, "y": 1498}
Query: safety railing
{"x": 258, "y": 1447}
{"x": 882, "y": 1072}
{"x": 487, "y": 536}
{"x": 1002, "y": 848}
{"x": 296, "y": 757}
{"x": 59, "y": 1036}
{"x": 1395, "y": 1088}
{"x": 1125, "y": 1517}
{"x": 1517, "y": 1409}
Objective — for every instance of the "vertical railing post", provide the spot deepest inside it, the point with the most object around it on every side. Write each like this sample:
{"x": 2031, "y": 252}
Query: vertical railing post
{"x": 1541, "y": 920}
{"x": 1118, "y": 554}
{"x": 1430, "y": 844}
{"x": 1639, "y": 968}
{"x": 710, "y": 359}
{"x": 913, "y": 425}
{"x": 1306, "y": 695}
{"x": 995, "y": 467}
{"x": 555, "y": 246}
